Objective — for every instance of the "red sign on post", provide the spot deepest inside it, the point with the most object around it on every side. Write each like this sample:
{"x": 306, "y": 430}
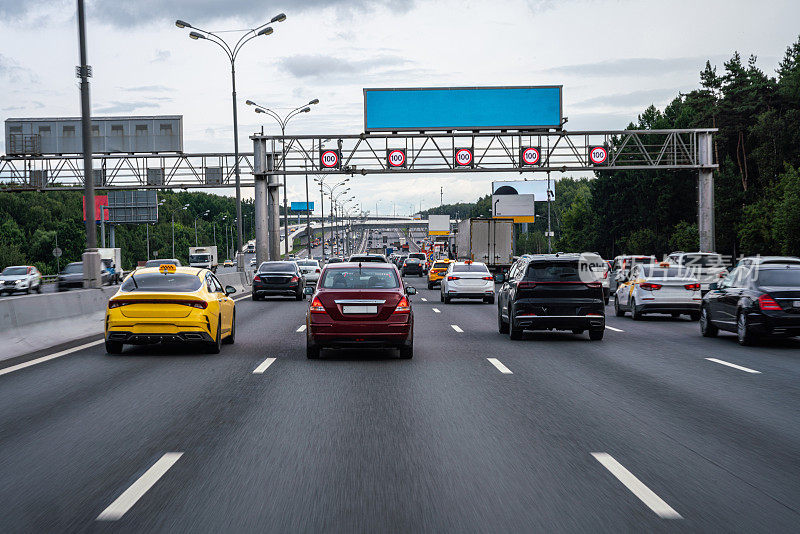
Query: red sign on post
{"x": 99, "y": 200}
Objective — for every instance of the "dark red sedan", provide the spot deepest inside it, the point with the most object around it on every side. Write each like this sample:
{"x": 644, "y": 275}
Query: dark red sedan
{"x": 360, "y": 305}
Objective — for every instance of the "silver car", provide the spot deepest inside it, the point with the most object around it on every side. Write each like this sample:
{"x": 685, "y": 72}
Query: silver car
{"x": 310, "y": 269}
{"x": 658, "y": 289}
{"x": 25, "y": 278}
{"x": 707, "y": 267}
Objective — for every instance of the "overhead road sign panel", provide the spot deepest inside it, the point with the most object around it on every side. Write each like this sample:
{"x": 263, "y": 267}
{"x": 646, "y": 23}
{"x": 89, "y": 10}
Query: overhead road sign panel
{"x": 522, "y": 108}
{"x": 302, "y": 206}
{"x": 330, "y": 159}
{"x": 463, "y": 157}
{"x": 537, "y": 187}
{"x": 518, "y": 207}
{"x": 396, "y": 158}
{"x": 529, "y": 155}
{"x": 598, "y": 155}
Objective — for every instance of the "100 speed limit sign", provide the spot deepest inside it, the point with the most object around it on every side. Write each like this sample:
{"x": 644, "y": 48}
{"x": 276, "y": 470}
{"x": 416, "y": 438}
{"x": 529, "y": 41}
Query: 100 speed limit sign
{"x": 396, "y": 158}
{"x": 530, "y": 155}
{"x": 463, "y": 157}
{"x": 598, "y": 155}
{"x": 330, "y": 159}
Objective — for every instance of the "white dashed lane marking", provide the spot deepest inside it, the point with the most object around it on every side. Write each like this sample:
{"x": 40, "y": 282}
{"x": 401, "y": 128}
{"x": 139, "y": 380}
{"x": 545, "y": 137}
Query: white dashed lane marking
{"x": 500, "y": 367}
{"x": 423, "y": 299}
{"x": 263, "y": 367}
{"x": 456, "y": 327}
{"x": 301, "y": 329}
{"x": 614, "y": 329}
{"x": 436, "y": 310}
{"x": 48, "y": 357}
{"x": 739, "y": 367}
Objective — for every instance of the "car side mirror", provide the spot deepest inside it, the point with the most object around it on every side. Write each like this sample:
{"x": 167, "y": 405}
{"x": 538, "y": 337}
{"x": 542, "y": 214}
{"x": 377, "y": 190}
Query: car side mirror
{"x": 713, "y": 286}
{"x": 230, "y": 290}
{"x": 411, "y": 291}
{"x": 308, "y": 291}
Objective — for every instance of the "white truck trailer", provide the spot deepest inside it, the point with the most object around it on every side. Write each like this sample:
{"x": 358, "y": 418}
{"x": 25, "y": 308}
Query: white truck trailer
{"x": 490, "y": 241}
{"x": 203, "y": 257}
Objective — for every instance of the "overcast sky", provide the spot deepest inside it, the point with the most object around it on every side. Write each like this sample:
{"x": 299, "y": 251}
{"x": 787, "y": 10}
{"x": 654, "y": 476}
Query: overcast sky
{"x": 614, "y": 58}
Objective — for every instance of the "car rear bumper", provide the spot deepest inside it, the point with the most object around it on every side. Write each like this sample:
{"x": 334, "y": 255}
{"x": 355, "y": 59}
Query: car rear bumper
{"x": 284, "y": 289}
{"x": 669, "y": 307}
{"x": 560, "y": 322}
{"x": 147, "y": 338}
{"x": 781, "y": 324}
{"x": 340, "y": 334}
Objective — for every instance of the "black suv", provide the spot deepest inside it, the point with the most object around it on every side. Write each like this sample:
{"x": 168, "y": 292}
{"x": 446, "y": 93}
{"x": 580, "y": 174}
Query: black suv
{"x": 412, "y": 266}
{"x": 760, "y": 297}
{"x": 551, "y": 292}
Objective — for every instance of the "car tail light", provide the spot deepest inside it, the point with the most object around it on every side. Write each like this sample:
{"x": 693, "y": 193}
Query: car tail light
{"x": 294, "y": 279}
{"x": 605, "y": 275}
{"x": 647, "y": 286}
{"x": 402, "y": 306}
{"x": 487, "y": 278}
{"x": 453, "y": 278}
{"x": 595, "y": 284}
{"x": 117, "y": 303}
{"x": 526, "y": 285}
{"x": 318, "y": 270}
{"x": 765, "y": 302}
{"x": 692, "y": 287}
{"x": 199, "y": 304}
{"x": 257, "y": 279}
{"x": 316, "y": 306}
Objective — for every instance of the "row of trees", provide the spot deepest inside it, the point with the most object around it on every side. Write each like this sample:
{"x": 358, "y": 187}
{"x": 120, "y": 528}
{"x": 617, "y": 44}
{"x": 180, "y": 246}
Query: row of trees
{"x": 757, "y": 188}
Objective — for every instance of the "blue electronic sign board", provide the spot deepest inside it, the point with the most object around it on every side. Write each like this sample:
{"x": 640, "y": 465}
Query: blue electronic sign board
{"x": 301, "y": 206}
{"x": 462, "y": 108}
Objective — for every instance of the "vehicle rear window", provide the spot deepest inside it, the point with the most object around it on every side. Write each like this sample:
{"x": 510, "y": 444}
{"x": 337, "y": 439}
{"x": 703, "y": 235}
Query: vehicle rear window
{"x": 473, "y": 268}
{"x": 669, "y": 272}
{"x": 307, "y": 263}
{"x": 13, "y": 271}
{"x": 702, "y": 260}
{"x": 553, "y": 272}
{"x": 440, "y": 265}
{"x": 412, "y": 260}
{"x": 162, "y": 282}
{"x": 156, "y": 263}
{"x": 277, "y": 267}
{"x": 779, "y": 277}
{"x": 363, "y": 278}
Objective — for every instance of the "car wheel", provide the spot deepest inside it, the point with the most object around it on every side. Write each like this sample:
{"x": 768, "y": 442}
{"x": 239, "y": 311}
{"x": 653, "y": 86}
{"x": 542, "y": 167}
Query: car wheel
{"x": 255, "y": 297}
{"x": 636, "y": 315}
{"x": 312, "y": 350}
{"x": 407, "y": 351}
{"x": 514, "y": 333}
{"x": 706, "y": 328}
{"x": 430, "y": 286}
{"x": 27, "y": 290}
{"x": 502, "y": 326}
{"x": 744, "y": 334}
{"x": 619, "y": 312}
{"x": 231, "y": 339}
{"x": 113, "y": 347}
{"x": 596, "y": 335}
{"x": 299, "y": 296}
{"x": 441, "y": 296}
{"x": 214, "y": 347}
{"x": 577, "y": 331}
{"x": 39, "y": 288}
{"x": 447, "y": 299}
{"x": 694, "y": 316}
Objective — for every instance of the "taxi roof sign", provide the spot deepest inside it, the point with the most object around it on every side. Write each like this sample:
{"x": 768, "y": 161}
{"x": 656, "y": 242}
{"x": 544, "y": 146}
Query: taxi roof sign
{"x": 167, "y": 268}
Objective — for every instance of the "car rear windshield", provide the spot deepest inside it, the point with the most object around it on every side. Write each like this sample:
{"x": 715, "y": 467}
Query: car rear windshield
{"x": 156, "y": 263}
{"x": 440, "y": 265}
{"x": 779, "y": 277}
{"x": 473, "y": 268}
{"x": 702, "y": 260}
{"x": 669, "y": 272}
{"x": 418, "y": 255}
{"x": 178, "y": 282}
{"x": 308, "y": 263}
{"x": 277, "y": 267}
{"x": 561, "y": 271}
{"x": 13, "y": 271}
{"x": 412, "y": 260}
{"x": 73, "y": 268}
{"x": 363, "y": 278}
{"x": 367, "y": 259}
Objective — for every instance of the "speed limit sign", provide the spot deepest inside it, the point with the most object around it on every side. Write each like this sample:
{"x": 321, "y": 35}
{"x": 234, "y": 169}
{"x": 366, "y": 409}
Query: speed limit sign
{"x": 330, "y": 159}
{"x": 530, "y": 155}
{"x": 598, "y": 155}
{"x": 463, "y": 157}
{"x": 396, "y": 158}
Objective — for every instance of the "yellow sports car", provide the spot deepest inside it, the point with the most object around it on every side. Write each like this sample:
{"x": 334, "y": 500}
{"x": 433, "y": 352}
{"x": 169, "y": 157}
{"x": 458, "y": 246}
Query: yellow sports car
{"x": 228, "y": 263}
{"x": 436, "y": 272}
{"x": 172, "y": 304}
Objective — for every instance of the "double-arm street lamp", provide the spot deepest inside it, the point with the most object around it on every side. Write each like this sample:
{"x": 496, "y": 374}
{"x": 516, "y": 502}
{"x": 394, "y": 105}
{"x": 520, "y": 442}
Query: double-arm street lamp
{"x": 232, "y": 52}
{"x": 283, "y": 121}
{"x": 321, "y": 181}
{"x": 201, "y": 216}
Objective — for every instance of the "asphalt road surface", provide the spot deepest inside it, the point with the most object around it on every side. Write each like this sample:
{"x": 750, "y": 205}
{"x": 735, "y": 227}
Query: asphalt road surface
{"x": 640, "y": 432}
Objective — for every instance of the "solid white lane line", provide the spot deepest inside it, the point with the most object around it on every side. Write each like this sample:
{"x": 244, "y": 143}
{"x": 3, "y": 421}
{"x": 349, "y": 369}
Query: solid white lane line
{"x": 739, "y": 367}
{"x": 423, "y": 299}
{"x": 436, "y": 310}
{"x": 240, "y": 298}
{"x": 263, "y": 367}
{"x": 645, "y": 494}
{"x": 301, "y": 329}
{"x": 49, "y": 357}
{"x": 500, "y": 367}
{"x": 456, "y": 327}
{"x": 614, "y": 329}
{"x": 130, "y": 496}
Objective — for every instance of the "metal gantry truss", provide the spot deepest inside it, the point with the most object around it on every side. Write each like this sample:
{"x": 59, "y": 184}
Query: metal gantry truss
{"x": 492, "y": 151}
{"x": 124, "y": 171}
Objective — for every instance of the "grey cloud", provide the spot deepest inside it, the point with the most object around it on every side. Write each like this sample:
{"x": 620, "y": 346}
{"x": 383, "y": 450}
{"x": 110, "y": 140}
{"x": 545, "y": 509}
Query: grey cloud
{"x": 128, "y": 107}
{"x": 140, "y": 12}
{"x": 635, "y": 99}
{"x": 640, "y": 66}
{"x": 161, "y": 55}
{"x": 325, "y": 66}
{"x": 147, "y": 89}
{"x": 11, "y": 71}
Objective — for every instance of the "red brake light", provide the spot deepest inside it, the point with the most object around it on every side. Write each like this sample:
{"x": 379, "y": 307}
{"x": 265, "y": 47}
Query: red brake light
{"x": 117, "y": 303}
{"x": 526, "y": 285}
{"x": 453, "y": 277}
{"x": 647, "y": 286}
{"x": 487, "y": 278}
{"x": 257, "y": 278}
{"x": 596, "y": 284}
{"x": 692, "y": 287}
{"x": 402, "y": 306}
{"x": 316, "y": 306}
{"x": 318, "y": 270}
{"x": 294, "y": 279}
{"x": 765, "y": 302}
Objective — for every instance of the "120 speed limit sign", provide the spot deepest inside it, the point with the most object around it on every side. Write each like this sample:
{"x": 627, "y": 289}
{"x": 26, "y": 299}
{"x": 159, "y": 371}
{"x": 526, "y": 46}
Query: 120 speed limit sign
{"x": 530, "y": 155}
{"x": 330, "y": 159}
{"x": 598, "y": 155}
{"x": 396, "y": 158}
{"x": 463, "y": 157}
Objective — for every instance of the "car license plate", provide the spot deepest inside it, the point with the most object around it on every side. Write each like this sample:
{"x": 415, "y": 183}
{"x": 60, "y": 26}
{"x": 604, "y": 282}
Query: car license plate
{"x": 359, "y": 309}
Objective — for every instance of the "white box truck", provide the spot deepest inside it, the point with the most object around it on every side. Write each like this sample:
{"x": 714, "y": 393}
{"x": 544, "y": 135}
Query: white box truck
{"x": 203, "y": 257}
{"x": 490, "y": 241}
{"x": 111, "y": 263}
{"x": 438, "y": 224}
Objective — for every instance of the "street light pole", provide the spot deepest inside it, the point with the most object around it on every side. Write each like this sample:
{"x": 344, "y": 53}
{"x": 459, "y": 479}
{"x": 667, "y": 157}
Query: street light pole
{"x": 232, "y": 53}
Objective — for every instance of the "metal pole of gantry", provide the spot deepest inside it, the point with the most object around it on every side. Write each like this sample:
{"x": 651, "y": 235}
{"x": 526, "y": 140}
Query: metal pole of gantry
{"x": 262, "y": 222}
{"x": 273, "y": 209}
{"x": 705, "y": 222}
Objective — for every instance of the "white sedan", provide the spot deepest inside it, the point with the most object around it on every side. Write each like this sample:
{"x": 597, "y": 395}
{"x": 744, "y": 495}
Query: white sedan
{"x": 658, "y": 289}
{"x": 311, "y": 270}
{"x": 467, "y": 280}
{"x": 25, "y": 278}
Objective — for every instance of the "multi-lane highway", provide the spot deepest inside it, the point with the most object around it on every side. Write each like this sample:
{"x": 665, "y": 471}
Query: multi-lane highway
{"x": 652, "y": 429}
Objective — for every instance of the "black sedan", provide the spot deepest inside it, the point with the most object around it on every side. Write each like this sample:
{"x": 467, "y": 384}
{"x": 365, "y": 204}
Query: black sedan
{"x": 71, "y": 277}
{"x": 413, "y": 266}
{"x": 278, "y": 278}
{"x": 759, "y": 298}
